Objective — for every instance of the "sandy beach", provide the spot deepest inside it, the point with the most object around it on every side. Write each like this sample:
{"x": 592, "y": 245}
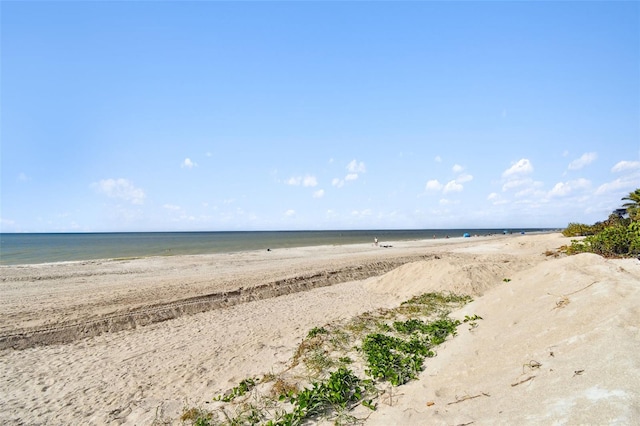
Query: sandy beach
{"x": 136, "y": 341}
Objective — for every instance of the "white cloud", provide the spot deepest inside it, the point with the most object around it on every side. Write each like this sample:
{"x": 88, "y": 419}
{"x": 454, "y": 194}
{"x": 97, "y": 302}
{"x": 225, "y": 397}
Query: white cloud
{"x": 438, "y": 159}
{"x": 309, "y": 181}
{"x": 615, "y": 186}
{"x": 294, "y": 181}
{"x": 304, "y": 181}
{"x": 120, "y": 188}
{"x": 319, "y": 193}
{"x": 496, "y": 199}
{"x": 565, "y": 188}
{"x": 290, "y": 213}
{"x": 625, "y": 165}
{"x": 464, "y": 178}
{"x": 515, "y": 183}
{"x": 172, "y": 207}
{"x": 433, "y": 185}
{"x": 351, "y": 176}
{"x": 452, "y": 186}
{"x": 521, "y": 167}
{"x": 560, "y": 189}
{"x": 355, "y": 167}
{"x": 457, "y": 168}
{"x": 586, "y": 159}
{"x": 188, "y": 164}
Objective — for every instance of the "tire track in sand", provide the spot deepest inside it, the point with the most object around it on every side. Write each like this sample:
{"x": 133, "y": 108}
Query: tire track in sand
{"x": 66, "y": 332}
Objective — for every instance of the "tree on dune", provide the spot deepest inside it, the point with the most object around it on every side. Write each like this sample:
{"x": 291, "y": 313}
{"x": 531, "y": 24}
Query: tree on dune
{"x": 633, "y": 204}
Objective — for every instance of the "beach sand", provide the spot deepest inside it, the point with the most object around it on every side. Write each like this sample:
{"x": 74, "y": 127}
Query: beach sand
{"x": 136, "y": 341}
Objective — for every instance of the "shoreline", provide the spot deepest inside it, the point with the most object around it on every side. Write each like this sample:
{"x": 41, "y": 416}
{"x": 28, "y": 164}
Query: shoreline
{"x": 237, "y": 277}
{"x": 151, "y": 373}
{"x": 35, "y": 249}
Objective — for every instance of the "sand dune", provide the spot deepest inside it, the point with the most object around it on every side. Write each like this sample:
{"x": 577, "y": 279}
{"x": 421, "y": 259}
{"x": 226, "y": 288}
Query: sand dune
{"x": 558, "y": 343}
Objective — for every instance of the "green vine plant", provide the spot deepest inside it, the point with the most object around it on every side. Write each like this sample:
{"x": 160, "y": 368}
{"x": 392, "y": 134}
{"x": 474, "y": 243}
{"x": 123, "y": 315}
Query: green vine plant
{"x": 348, "y": 365}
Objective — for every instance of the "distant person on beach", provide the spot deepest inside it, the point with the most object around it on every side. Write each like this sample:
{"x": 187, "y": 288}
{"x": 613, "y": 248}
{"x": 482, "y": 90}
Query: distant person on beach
{"x": 375, "y": 241}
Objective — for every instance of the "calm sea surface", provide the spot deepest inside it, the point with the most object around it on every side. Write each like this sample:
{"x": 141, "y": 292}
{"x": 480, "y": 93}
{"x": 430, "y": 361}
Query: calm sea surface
{"x": 18, "y": 249}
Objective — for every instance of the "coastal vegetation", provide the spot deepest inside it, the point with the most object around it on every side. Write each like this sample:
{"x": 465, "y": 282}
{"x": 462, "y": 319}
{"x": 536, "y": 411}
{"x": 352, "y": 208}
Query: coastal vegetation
{"x": 617, "y": 236}
{"x": 342, "y": 366}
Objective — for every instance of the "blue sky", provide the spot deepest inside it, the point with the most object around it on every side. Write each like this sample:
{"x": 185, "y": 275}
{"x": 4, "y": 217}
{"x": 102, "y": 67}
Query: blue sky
{"x": 168, "y": 116}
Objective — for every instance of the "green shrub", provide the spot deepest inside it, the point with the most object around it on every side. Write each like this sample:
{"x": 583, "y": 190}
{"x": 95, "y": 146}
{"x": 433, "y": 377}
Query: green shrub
{"x": 613, "y": 241}
{"x": 578, "y": 230}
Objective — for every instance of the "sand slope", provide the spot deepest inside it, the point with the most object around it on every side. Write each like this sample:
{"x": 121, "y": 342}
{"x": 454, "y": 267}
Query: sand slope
{"x": 559, "y": 344}
{"x": 577, "y": 317}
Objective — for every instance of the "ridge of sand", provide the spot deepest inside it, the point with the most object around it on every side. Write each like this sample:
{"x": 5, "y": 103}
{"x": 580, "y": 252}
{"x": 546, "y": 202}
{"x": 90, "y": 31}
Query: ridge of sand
{"x": 576, "y": 316}
{"x": 62, "y": 302}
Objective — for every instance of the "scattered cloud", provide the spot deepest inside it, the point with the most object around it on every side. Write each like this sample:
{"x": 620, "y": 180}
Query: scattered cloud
{"x": 356, "y": 167}
{"x": 586, "y": 159}
{"x": 521, "y": 167}
{"x": 561, "y": 189}
{"x": 616, "y": 185}
{"x": 120, "y": 188}
{"x": 515, "y": 183}
{"x": 351, "y": 176}
{"x": 433, "y": 185}
{"x": 294, "y": 181}
{"x": 290, "y": 213}
{"x": 319, "y": 193}
{"x": 171, "y": 207}
{"x": 452, "y": 186}
{"x": 532, "y": 191}
{"x": 309, "y": 181}
{"x": 625, "y": 165}
{"x": 496, "y": 199}
{"x": 187, "y": 163}
{"x": 438, "y": 159}
{"x": 306, "y": 181}
{"x": 464, "y": 178}
{"x": 457, "y": 168}
{"x": 515, "y": 178}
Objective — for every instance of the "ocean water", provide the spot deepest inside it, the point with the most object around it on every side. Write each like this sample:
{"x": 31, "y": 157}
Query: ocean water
{"x": 16, "y": 249}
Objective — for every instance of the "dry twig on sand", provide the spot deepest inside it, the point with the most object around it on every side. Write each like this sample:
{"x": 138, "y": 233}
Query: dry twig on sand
{"x": 522, "y": 381}
{"x": 466, "y": 398}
